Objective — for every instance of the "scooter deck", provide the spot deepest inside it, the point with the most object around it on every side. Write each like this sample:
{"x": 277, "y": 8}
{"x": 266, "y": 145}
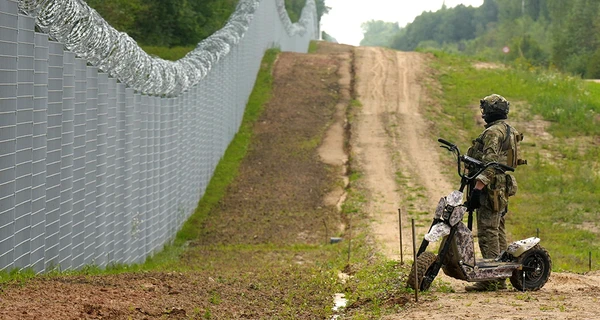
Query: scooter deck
{"x": 492, "y": 263}
{"x": 489, "y": 269}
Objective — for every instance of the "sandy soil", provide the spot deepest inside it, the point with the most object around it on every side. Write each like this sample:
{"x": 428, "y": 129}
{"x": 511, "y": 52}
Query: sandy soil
{"x": 392, "y": 135}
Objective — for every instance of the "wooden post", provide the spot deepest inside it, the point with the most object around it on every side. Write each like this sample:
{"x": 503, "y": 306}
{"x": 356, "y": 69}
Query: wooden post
{"x": 326, "y": 232}
{"x": 400, "y": 233}
{"x": 349, "y": 237}
{"x": 414, "y": 236}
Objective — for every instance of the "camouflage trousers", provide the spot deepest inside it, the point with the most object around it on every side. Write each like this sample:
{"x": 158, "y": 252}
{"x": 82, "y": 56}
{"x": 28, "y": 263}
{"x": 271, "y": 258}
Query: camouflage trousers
{"x": 491, "y": 230}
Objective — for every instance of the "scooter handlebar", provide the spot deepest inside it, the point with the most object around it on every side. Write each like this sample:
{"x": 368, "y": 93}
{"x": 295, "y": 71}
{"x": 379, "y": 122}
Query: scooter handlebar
{"x": 471, "y": 162}
{"x": 449, "y": 144}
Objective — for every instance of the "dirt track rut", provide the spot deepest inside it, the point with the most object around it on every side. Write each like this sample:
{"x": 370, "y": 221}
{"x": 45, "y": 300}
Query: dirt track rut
{"x": 392, "y": 141}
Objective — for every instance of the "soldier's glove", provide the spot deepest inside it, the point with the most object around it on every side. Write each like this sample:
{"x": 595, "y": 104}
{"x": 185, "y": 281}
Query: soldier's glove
{"x": 474, "y": 201}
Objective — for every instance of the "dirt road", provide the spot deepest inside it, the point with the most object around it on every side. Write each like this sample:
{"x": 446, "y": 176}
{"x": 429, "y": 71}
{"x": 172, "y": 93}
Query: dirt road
{"x": 392, "y": 139}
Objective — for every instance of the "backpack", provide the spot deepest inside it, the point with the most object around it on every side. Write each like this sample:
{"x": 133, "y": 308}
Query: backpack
{"x": 511, "y": 146}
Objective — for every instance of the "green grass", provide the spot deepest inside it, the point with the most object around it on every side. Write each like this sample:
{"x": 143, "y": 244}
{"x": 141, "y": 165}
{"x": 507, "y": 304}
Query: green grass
{"x": 172, "y": 54}
{"x": 313, "y": 46}
{"x": 557, "y": 189}
{"x": 570, "y": 104}
{"x": 377, "y": 286}
{"x": 16, "y": 276}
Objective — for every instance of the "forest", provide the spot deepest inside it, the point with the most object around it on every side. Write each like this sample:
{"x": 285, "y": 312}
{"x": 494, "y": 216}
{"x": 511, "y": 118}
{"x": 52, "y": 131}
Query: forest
{"x": 559, "y": 34}
{"x": 177, "y": 23}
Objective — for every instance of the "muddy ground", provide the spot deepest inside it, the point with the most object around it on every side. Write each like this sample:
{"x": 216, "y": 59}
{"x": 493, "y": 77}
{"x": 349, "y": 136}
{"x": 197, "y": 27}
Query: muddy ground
{"x": 262, "y": 251}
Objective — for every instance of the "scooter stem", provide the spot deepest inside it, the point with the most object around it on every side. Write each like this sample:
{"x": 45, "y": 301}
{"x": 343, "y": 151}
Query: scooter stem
{"x": 470, "y": 189}
{"x": 470, "y": 220}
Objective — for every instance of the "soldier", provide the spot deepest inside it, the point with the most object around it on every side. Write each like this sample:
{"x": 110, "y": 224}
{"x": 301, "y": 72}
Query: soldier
{"x": 498, "y": 142}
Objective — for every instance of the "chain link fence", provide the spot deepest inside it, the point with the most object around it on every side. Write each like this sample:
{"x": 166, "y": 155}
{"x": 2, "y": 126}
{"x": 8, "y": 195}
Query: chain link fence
{"x": 104, "y": 150}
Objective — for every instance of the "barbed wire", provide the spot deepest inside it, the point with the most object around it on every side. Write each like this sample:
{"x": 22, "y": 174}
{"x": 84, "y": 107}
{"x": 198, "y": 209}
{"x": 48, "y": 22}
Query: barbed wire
{"x": 84, "y": 32}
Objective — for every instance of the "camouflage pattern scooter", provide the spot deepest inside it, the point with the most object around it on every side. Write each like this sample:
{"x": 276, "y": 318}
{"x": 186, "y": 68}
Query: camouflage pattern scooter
{"x": 525, "y": 262}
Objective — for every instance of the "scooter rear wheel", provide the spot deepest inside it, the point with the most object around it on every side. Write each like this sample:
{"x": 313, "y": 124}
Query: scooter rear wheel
{"x": 424, "y": 262}
{"x": 538, "y": 259}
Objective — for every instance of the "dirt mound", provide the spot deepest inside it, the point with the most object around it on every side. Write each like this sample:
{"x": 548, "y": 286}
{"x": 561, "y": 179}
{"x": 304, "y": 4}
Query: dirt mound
{"x": 282, "y": 178}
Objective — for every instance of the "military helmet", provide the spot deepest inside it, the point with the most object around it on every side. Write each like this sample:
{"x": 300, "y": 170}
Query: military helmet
{"x": 494, "y": 104}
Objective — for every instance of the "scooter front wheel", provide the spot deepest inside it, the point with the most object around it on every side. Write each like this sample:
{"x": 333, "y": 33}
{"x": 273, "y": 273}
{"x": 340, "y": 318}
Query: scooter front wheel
{"x": 424, "y": 262}
{"x": 537, "y": 268}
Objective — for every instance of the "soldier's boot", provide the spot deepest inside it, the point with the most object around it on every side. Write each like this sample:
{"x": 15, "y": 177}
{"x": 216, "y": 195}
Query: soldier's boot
{"x": 480, "y": 286}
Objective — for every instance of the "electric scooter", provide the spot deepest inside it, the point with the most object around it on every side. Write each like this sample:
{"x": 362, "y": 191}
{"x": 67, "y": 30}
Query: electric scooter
{"x": 525, "y": 262}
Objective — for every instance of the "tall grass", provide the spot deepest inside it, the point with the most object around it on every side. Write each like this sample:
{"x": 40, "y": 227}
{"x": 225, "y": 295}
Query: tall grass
{"x": 557, "y": 189}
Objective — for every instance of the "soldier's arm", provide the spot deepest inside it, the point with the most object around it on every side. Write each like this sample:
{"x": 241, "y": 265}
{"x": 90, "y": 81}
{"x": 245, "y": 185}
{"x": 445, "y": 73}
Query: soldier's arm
{"x": 492, "y": 145}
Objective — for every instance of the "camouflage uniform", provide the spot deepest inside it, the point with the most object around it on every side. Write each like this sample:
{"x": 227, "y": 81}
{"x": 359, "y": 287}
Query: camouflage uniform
{"x": 497, "y": 143}
{"x": 494, "y": 200}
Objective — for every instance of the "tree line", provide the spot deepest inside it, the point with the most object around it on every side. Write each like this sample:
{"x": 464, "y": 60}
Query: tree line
{"x": 177, "y": 23}
{"x": 562, "y": 34}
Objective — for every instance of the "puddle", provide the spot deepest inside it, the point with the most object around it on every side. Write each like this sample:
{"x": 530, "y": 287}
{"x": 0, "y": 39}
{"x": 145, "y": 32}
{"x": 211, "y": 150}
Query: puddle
{"x": 339, "y": 302}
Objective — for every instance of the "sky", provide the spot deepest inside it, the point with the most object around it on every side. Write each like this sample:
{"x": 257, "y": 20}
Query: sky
{"x": 345, "y": 17}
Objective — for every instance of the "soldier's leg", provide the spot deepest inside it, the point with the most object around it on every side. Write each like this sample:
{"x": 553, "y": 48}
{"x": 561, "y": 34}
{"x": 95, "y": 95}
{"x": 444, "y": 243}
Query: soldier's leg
{"x": 488, "y": 223}
{"x": 502, "y": 245}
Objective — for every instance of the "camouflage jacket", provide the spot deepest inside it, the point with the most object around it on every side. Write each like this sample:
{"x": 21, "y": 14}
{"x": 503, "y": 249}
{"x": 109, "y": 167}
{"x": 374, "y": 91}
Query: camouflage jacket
{"x": 488, "y": 147}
